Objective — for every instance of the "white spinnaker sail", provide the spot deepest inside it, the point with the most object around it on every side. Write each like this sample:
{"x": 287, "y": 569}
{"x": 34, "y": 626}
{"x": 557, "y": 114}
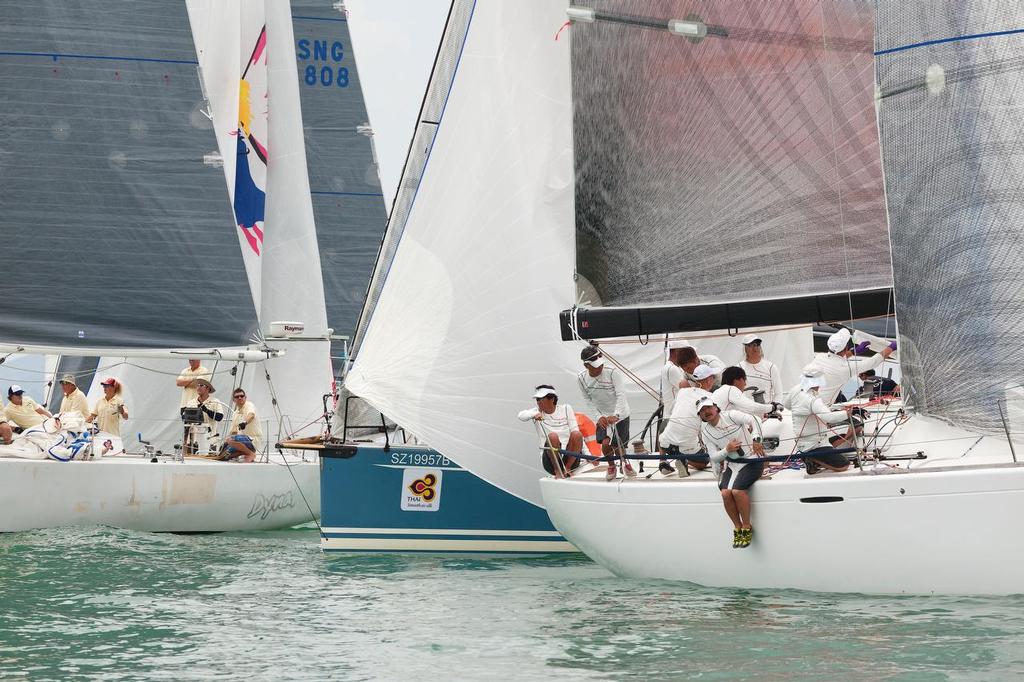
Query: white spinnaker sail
{"x": 466, "y": 324}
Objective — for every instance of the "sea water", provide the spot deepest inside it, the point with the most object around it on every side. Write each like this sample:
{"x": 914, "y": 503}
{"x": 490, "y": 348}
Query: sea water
{"x": 109, "y": 604}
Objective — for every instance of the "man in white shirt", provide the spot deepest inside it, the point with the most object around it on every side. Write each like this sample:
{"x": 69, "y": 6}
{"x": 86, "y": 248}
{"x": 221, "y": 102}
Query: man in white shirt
{"x": 682, "y": 433}
{"x": 187, "y": 380}
{"x": 730, "y": 436}
{"x": 840, "y": 365}
{"x": 558, "y": 425}
{"x": 732, "y": 395}
{"x": 762, "y": 373}
{"x": 673, "y": 377}
{"x": 74, "y": 400}
{"x": 813, "y": 423}
{"x": 689, "y": 361}
{"x": 603, "y": 388}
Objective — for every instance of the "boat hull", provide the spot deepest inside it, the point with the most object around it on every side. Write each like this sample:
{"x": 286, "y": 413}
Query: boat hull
{"x": 372, "y": 502}
{"x": 948, "y": 531}
{"x": 166, "y": 496}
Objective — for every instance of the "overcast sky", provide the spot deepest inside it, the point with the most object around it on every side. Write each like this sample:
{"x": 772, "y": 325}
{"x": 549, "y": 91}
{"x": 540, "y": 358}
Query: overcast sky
{"x": 394, "y": 43}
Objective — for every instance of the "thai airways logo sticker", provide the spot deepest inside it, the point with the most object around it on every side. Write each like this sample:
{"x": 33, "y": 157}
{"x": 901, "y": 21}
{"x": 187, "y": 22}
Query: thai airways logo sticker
{"x": 421, "y": 489}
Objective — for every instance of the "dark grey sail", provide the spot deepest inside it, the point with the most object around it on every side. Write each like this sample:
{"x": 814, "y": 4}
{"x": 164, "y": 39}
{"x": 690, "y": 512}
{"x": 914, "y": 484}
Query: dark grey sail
{"x": 735, "y": 166}
{"x": 347, "y": 202}
{"x": 950, "y": 116}
{"x": 116, "y": 234}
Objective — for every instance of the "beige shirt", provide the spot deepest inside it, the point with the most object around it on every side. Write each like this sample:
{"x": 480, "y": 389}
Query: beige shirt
{"x": 253, "y": 429}
{"x": 24, "y": 415}
{"x": 76, "y": 402}
{"x": 189, "y": 392}
{"x": 108, "y": 416}
{"x": 215, "y": 406}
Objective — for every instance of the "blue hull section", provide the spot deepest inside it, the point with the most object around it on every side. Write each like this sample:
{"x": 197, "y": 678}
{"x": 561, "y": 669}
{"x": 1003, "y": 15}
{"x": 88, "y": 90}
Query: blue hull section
{"x": 413, "y": 499}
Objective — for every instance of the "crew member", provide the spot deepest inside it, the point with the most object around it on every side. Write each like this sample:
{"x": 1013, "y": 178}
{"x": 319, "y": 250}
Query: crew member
{"x": 682, "y": 434}
{"x": 813, "y": 421}
{"x": 605, "y": 393}
{"x": 245, "y": 433}
{"x": 730, "y": 436}
{"x": 213, "y": 413}
{"x": 23, "y": 410}
{"x": 840, "y": 365}
{"x": 673, "y": 377}
{"x": 689, "y": 360}
{"x": 110, "y": 409}
{"x": 74, "y": 400}
{"x": 560, "y": 429}
{"x": 762, "y": 373}
{"x": 187, "y": 380}
{"x": 731, "y": 395}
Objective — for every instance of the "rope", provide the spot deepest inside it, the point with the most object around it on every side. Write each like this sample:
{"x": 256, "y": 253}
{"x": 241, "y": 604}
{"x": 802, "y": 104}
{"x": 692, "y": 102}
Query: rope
{"x": 312, "y": 516}
{"x": 697, "y": 457}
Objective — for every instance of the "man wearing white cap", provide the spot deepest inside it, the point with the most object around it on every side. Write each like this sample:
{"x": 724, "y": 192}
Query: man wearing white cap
{"x": 813, "y": 422}
{"x": 74, "y": 400}
{"x": 672, "y": 375}
{"x": 23, "y": 410}
{"x": 603, "y": 388}
{"x": 558, "y": 423}
{"x": 840, "y": 365}
{"x": 732, "y": 435}
{"x": 762, "y": 373}
{"x": 689, "y": 361}
{"x": 682, "y": 433}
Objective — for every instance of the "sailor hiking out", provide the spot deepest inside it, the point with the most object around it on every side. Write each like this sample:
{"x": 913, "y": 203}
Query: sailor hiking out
{"x": 729, "y": 436}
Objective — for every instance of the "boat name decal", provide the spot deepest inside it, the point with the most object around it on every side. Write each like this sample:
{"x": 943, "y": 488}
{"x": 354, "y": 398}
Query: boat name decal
{"x": 420, "y": 459}
{"x": 265, "y": 506}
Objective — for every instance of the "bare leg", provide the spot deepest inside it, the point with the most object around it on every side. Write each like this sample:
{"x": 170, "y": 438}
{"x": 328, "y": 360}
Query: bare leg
{"x": 575, "y": 445}
{"x": 730, "y": 508}
{"x": 742, "y": 498}
{"x": 248, "y": 454}
{"x": 6, "y": 433}
{"x": 554, "y": 445}
{"x": 606, "y": 450}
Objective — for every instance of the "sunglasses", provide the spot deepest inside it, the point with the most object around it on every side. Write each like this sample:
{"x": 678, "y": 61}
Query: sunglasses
{"x": 238, "y": 395}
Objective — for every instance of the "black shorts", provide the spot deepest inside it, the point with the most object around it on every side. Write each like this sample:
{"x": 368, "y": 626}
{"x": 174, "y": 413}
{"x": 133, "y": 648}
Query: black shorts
{"x": 828, "y": 457}
{"x": 619, "y": 433}
{"x": 745, "y": 478}
{"x": 545, "y": 460}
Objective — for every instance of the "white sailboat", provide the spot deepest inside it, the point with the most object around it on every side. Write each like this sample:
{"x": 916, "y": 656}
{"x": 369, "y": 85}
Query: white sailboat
{"x": 160, "y": 273}
{"x": 791, "y": 92}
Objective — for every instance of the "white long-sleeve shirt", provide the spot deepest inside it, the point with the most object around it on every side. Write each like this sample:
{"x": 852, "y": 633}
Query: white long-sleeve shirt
{"x": 767, "y": 377}
{"x": 839, "y": 370}
{"x": 812, "y": 419}
{"x": 605, "y": 393}
{"x": 731, "y": 398}
{"x": 671, "y": 375}
{"x": 683, "y": 429}
{"x": 731, "y": 424}
{"x": 714, "y": 363}
{"x": 562, "y": 421}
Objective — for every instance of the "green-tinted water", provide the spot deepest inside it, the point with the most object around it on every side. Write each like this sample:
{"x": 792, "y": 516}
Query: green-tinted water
{"x": 112, "y": 604}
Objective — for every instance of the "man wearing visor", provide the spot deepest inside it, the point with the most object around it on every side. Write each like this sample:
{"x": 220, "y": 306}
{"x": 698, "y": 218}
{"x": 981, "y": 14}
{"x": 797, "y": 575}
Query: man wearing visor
{"x": 558, "y": 423}
{"x": 603, "y": 388}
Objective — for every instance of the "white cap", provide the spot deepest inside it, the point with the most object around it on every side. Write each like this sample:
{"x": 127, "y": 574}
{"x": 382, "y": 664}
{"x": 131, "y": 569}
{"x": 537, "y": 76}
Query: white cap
{"x": 675, "y": 344}
{"x": 811, "y": 378}
{"x": 596, "y": 362}
{"x": 544, "y": 392}
{"x": 15, "y": 388}
{"x": 703, "y": 372}
{"x": 838, "y": 341}
{"x": 704, "y": 401}
{"x": 750, "y": 338}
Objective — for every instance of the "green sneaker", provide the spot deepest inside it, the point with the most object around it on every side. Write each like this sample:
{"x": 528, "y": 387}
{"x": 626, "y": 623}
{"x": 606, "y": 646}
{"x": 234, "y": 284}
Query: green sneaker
{"x": 746, "y": 536}
{"x": 737, "y": 538}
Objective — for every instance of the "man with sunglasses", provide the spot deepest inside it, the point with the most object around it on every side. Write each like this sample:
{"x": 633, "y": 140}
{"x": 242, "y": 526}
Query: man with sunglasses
{"x": 761, "y": 372}
{"x": 245, "y": 435}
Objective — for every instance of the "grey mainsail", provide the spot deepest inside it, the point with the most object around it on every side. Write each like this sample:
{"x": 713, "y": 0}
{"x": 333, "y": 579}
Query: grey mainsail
{"x": 950, "y": 116}
{"x": 116, "y": 232}
{"x": 740, "y": 166}
{"x": 347, "y": 202}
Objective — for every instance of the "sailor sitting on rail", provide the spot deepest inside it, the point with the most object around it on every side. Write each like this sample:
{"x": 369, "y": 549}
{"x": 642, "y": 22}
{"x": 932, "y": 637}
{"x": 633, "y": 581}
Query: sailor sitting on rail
{"x": 689, "y": 360}
{"x": 732, "y": 395}
{"x": 761, "y": 372}
{"x": 728, "y": 436}
{"x": 682, "y": 432}
{"x": 812, "y": 422}
{"x": 560, "y": 429}
{"x": 839, "y": 365}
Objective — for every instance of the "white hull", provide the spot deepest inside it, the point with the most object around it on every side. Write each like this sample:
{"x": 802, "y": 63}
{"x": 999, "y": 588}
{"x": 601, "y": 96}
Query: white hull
{"x": 938, "y": 528}
{"x": 166, "y": 496}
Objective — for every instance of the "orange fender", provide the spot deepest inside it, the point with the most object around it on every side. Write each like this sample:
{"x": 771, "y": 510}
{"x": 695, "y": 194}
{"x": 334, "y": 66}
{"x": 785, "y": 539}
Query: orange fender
{"x": 589, "y": 431}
